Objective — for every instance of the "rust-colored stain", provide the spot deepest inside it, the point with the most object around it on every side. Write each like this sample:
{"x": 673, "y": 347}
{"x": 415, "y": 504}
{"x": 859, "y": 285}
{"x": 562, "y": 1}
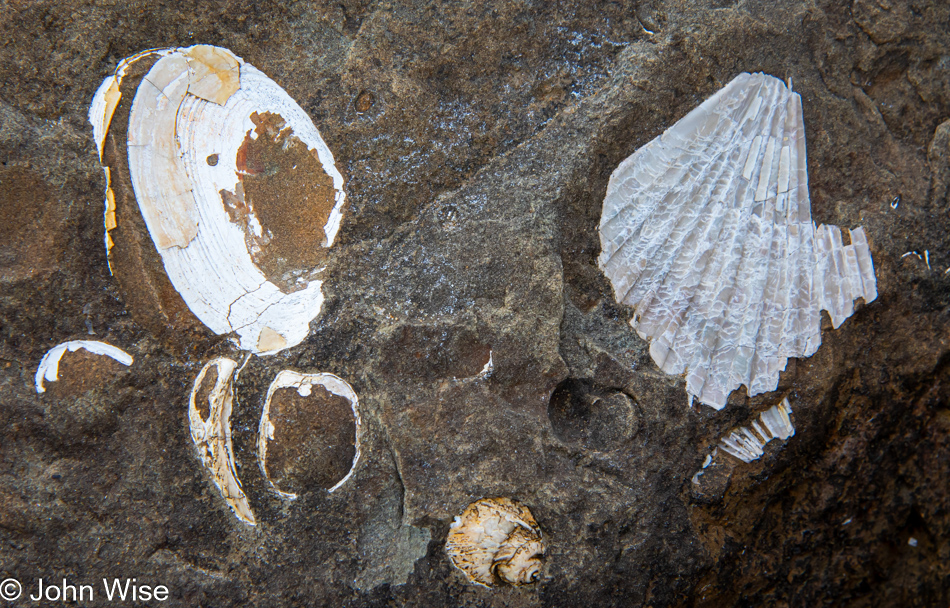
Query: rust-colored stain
{"x": 81, "y": 371}
{"x": 282, "y": 184}
{"x": 203, "y": 394}
{"x": 364, "y": 101}
{"x": 314, "y": 439}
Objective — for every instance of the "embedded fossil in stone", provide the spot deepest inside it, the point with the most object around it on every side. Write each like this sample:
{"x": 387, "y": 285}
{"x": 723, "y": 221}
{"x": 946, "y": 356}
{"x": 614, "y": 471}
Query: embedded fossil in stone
{"x": 209, "y": 415}
{"x": 747, "y": 443}
{"x": 773, "y": 423}
{"x": 496, "y": 540}
{"x": 707, "y": 233}
{"x": 234, "y": 186}
{"x": 309, "y": 432}
{"x": 48, "y": 369}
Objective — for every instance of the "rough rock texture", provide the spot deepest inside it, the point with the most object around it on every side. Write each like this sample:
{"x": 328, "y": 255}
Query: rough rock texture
{"x": 476, "y": 139}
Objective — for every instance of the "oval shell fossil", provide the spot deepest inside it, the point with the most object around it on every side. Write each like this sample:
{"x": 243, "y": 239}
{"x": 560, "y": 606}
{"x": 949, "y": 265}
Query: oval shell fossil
{"x": 496, "y": 540}
{"x": 707, "y": 233}
{"x": 234, "y": 186}
{"x": 309, "y": 434}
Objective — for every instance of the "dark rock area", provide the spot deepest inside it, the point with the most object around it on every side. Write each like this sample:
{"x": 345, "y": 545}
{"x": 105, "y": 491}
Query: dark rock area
{"x": 476, "y": 140}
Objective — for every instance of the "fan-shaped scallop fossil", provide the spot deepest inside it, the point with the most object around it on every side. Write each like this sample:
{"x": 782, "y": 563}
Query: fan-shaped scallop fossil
{"x": 496, "y": 540}
{"x": 707, "y": 232}
{"x": 232, "y": 182}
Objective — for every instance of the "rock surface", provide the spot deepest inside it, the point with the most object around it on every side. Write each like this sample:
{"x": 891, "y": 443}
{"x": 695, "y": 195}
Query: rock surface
{"x": 476, "y": 140}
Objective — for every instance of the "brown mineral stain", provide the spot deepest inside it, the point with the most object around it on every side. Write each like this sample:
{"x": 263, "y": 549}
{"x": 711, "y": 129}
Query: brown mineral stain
{"x": 283, "y": 184}
{"x": 215, "y": 73}
{"x": 314, "y": 439}
{"x": 81, "y": 371}
{"x": 203, "y": 394}
{"x": 29, "y": 225}
{"x": 364, "y": 101}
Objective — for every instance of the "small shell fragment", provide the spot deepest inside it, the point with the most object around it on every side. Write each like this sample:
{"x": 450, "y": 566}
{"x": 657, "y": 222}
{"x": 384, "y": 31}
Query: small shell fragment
{"x": 309, "y": 432}
{"x": 496, "y": 540}
{"x": 209, "y": 414}
{"x": 707, "y": 233}
{"x": 747, "y": 444}
{"x": 48, "y": 369}
{"x": 234, "y": 185}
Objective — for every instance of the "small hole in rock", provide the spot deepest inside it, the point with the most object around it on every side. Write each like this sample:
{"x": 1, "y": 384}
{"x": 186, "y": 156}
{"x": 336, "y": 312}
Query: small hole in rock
{"x": 213, "y": 160}
{"x": 593, "y": 416}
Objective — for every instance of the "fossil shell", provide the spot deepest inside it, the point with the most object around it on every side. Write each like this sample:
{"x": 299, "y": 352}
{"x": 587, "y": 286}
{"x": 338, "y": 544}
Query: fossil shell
{"x": 496, "y": 540}
{"x": 746, "y": 444}
{"x": 209, "y": 415}
{"x": 309, "y": 432}
{"x": 237, "y": 189}
{"x": 48, "y": 369}
{"x": 707, "y": 232}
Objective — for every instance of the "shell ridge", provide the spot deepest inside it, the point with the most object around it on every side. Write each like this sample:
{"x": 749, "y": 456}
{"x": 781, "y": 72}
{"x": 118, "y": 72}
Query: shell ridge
{"x": 725, "y": 269}
{"x": 729, "y": 334}
{"x": 689, "y": 259}
{"x": 186, "y": 128}
{"x": 495, "y": 540}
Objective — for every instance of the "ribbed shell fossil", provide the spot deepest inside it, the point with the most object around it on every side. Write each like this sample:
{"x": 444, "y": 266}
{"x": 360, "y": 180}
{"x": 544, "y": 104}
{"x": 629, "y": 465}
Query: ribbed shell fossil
{"x": 309, "y": 432}
{"x": 209, "y": 415}
{"x": 707, "y": 232}
{"x": 747, "y": 444}
{"x": 496, "y": 540}
{"x": 236, "y": 187}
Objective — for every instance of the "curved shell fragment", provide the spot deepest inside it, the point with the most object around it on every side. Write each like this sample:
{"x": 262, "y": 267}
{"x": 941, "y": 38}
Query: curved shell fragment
{"x": 496, "y": 540}
{"x": 209, "y": 415}
{"x": 747, "y": 444}
{"x": 236, "y": 187}
{"x": 48, "y": 369}
{"x": 707, "y": 233}
{"x": 309, "y": 432}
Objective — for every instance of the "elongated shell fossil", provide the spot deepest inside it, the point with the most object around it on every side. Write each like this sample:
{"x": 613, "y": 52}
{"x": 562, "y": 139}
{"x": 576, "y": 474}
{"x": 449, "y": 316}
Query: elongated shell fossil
{"x": 707, "y": 232}
{"x": 234, "y": 186}
{"x": 496, "y": 540}
{"x": 209, "y": 415}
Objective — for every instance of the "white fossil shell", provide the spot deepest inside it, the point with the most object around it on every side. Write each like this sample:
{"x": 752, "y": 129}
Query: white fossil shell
{"x": 707, "y": 232}
{"x": 209, "y": 415}
{"x": 48, "y": 369}
{"x": 746, "y": 444}
{"x": 496, "y": 540}
{"x": 237, "y": 188}
{"x": 312, "y": 429}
